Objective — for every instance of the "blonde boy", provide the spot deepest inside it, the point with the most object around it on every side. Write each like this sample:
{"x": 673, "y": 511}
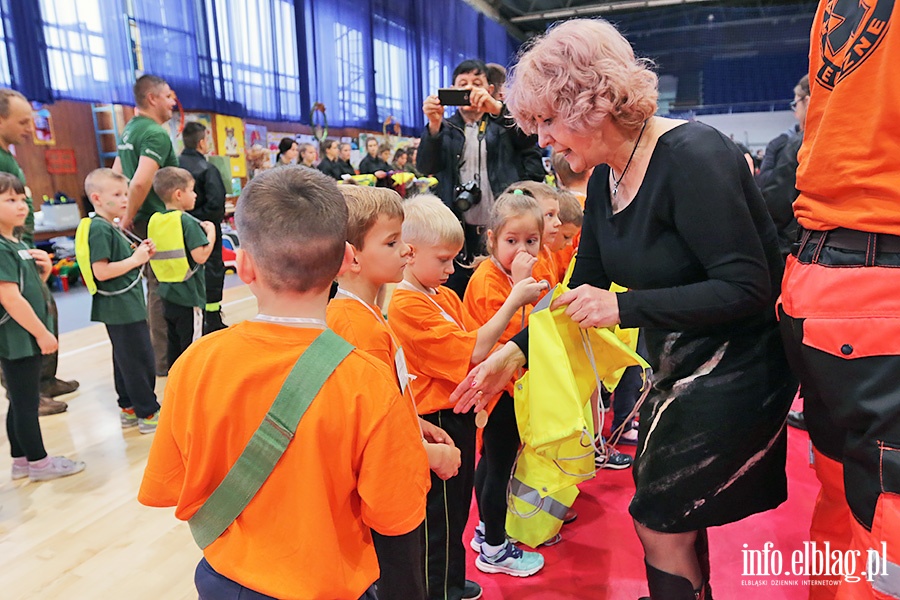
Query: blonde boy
{"x": 183, "y": 299}
{"x": 356, "y": 460}
{"x": 118, "y": 303}
{"x": 379, "y": 257}
{"x": 441, "y": 344}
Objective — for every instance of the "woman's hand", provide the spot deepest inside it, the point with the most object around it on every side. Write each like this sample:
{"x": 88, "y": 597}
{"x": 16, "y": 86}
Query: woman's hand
{"x": 590, "y": 307}
{"x": 487, "y": 379}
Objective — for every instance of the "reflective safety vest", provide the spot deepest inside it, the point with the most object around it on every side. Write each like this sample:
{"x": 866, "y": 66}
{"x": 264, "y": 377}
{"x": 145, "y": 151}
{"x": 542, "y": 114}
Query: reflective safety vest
{"x": 83, "y": 258}
{"x": 170, "y": 263}
{"x": 553, "y": 412}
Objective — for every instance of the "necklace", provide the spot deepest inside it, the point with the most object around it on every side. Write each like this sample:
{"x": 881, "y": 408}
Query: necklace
{"x": 616, "y": 182}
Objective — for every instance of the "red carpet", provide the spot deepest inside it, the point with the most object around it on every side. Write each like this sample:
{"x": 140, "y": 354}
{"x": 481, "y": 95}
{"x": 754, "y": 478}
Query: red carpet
{"x": 600, "y": 556}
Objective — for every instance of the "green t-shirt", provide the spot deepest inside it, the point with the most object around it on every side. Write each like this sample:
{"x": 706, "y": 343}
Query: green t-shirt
{"x": 8, "y": 164}
{"x": 106, "y": 243}
{"x": 193, "y": 291}
{"x": 145, "y": 137}
{"x": 17, "y": 266}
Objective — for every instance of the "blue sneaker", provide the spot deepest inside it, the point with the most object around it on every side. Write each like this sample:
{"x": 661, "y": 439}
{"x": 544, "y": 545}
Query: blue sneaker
{"x": 477, "y": 540}
{"x": 510, "y": 560}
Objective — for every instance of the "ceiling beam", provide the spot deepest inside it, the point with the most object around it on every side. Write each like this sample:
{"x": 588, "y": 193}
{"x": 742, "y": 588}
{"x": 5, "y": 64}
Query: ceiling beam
{"x": 491, "y": 9}
{"x": 599, "y": 8}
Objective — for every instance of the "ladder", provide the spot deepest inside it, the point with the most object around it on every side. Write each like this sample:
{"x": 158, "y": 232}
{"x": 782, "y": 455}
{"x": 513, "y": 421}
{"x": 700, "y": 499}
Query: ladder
{"x": 106, "y": 132}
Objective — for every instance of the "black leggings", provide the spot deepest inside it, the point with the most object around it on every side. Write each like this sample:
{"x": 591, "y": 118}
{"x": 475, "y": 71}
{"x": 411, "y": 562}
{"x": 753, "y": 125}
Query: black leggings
{"x": 23, "y": 381}
{"x": 498, "y": 455}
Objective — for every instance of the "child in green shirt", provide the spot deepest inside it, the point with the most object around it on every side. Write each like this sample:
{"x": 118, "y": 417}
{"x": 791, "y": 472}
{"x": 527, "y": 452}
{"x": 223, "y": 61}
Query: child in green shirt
{"x": 183, "y": 244}
{"x": 24, "y": 336}
{"x": 114, "y": 263}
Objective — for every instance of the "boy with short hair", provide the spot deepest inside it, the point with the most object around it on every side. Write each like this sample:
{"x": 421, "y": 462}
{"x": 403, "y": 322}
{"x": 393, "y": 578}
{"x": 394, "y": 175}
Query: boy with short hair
{"x": 571, "y": 217}
{"x": 379, "y": 257}
{"x": 442, "y": 342}
{"x": 183, "y": 244}
{"x": 111, "y": 265}
{"x": 356, "y": 460}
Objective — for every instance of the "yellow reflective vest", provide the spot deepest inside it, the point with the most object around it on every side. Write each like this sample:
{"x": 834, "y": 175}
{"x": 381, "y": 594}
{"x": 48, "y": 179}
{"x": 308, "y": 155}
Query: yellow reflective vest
{"x": 83, "y": 258}
{"x": 170, "y": 263}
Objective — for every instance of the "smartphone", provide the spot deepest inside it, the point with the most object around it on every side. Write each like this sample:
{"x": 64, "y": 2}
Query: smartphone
{"x": 454, "y": 96}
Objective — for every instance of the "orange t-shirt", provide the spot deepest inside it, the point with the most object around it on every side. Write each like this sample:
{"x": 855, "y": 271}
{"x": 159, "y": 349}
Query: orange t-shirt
{"x": 486, "y": 292}
{"x": 368, "y": 331}
{"x": 438, "y": 338}
{"x": 546, "y": 268}
{"x": 849, "y": 173}
{"x": 564, "y": 257}
{"x": 306, "y": 533}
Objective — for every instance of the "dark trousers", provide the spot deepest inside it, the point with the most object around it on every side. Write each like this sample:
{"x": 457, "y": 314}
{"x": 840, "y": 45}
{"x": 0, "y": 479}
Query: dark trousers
{"x": 133, "y": 368}
{"x": 155, "y": 318}
{"x": 401, "y": 559}
{"x": 498, "y": 455}
{"x": 50, "y": 362}
{"x": 840, "y": 322}
{"x": 214, "y": 270}
{"x": 23, "y": 381}
{"x": 214, "y": 586}
{"x": 448, "y": 510}
{"x": 183, "y": 326}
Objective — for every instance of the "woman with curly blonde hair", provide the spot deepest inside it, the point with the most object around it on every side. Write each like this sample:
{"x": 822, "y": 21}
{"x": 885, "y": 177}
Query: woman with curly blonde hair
{"x": 674, "y": 215}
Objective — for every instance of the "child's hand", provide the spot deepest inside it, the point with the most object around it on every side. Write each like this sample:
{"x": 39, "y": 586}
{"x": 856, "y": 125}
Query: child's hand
{"x": 522, "y": 265}
{"x": 434, "y": 434}
{"x": 47, "y": 342}
{"x": 208, "y": 228}
{"x": 43, "y": 262}
{"x": 444, "y": 460}
{"x": 527, "y": 291}
{"x": 143, "y": 252}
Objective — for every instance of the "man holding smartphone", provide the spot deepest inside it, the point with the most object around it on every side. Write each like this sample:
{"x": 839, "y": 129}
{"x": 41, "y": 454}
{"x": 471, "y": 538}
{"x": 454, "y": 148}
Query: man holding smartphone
{"x": 474, "y": 154}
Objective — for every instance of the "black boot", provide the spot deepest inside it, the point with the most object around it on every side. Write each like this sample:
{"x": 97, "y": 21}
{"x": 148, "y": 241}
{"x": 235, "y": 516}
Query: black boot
{"x": 665, "y": 586}
{"x": 212, "y": 321}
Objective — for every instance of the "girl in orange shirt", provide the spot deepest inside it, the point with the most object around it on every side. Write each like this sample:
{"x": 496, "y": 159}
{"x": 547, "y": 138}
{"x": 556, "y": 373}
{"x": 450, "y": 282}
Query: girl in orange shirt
{"x": 546, "y": 268}
{"x": 513, "y": 241}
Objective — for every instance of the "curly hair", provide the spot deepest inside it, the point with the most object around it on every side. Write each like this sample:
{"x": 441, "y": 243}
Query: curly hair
{"x": 579, "y": 72}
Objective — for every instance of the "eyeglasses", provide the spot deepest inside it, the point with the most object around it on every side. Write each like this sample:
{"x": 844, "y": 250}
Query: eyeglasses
{"x": 795, "y": 102}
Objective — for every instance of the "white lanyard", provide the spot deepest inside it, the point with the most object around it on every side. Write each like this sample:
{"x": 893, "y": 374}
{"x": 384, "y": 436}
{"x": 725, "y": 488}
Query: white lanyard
{"x": 410, "y": 287}
{"x": 291, "y": 320}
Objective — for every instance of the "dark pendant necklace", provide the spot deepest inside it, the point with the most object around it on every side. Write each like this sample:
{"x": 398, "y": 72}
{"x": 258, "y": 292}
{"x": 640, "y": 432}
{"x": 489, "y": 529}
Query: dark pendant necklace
{"x": 616, "y": 182}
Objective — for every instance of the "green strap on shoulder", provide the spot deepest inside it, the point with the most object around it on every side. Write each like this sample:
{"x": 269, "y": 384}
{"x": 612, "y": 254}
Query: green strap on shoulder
{"x": 271, "y": 439}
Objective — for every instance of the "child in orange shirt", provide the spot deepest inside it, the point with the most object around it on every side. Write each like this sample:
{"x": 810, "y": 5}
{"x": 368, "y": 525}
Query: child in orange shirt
{"x": 356, "y": 461}
{"x": 513, "y": 240}
{"x": 374, "y": 230}
{"x": 442, "y": 343}
{"x": 545, "y": 269}
{"x": 571, "y": 216}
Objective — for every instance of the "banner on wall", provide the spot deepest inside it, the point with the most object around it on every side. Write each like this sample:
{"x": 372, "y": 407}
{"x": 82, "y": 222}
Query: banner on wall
{"x": 43, "y": 125}
{"x": 255, "y": 135}
{"x": 230, "y": 142}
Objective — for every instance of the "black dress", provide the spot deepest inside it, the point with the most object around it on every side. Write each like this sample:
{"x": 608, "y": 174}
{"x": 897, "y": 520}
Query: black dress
{"x": 699, "y": 254}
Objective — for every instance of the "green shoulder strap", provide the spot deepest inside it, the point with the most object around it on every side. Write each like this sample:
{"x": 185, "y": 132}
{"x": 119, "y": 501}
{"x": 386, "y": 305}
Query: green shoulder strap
{"x": 270, "y": 440}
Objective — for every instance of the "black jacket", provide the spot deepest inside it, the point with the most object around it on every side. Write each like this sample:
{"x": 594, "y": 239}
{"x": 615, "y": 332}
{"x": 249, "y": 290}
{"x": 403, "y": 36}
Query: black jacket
{"x": 208, "y": 185}
{"x": 511, "y": 155}
{"x": 336, "y": 168}
{"x": 779, "y": 191}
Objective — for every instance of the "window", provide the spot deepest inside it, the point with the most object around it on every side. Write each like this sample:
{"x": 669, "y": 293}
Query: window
{"x": 351, "y": 76}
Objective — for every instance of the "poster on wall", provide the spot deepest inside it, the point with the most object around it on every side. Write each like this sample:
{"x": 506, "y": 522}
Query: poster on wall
{"x": 255, "y": 135}
{"x": 43, "y": 125}
{"x": 230, "y": 138}
{"x": 174, "y": 125}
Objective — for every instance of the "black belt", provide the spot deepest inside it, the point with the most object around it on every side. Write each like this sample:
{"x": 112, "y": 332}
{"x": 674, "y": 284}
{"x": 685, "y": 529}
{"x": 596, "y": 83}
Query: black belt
{"x": 849, "y": 239}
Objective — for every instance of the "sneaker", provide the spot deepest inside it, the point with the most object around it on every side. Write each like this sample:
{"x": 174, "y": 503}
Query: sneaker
{"x": 149, "y": 424}
{"x": 471, "y": 591}
{"x": 613, "y": 460}
{"x": 58, "y": 387}
{"x": 49, "y": 406}
{"x": 629, "y": 438}
{"x": 127, "y": 418}
{"x": 477, "y": 540}
{"x": 55, "y": 467}
{"x": 19, "y": 471}
{"x": 511, "y": 560}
